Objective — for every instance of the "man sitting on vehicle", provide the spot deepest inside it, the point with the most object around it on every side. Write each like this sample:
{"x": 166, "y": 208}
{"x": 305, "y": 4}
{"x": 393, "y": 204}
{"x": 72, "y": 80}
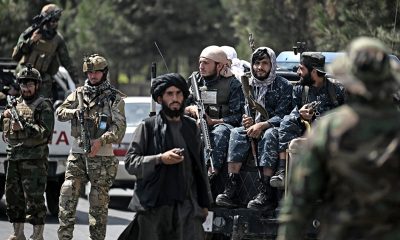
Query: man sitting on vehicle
{"x": 314, "y": 95}
{"x": 273, "y": 93}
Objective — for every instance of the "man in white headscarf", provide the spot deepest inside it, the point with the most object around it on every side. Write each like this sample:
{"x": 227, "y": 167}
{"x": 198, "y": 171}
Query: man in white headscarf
{"x": 223, "y": 101}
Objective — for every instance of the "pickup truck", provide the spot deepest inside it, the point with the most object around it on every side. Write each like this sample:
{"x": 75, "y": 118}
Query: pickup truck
{"x": 59, "y": 146}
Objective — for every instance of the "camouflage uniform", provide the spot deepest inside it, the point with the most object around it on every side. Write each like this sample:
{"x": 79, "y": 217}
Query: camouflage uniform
{"x": 228, "y": 88}
{"x": 277, "y": 102}
{"x": 105, "y": 121}
{"x": 46, "y": 55}
{"x": 291, "y": 126}
{"x": 351, "y": 161}
{"x": 27, "y": 154}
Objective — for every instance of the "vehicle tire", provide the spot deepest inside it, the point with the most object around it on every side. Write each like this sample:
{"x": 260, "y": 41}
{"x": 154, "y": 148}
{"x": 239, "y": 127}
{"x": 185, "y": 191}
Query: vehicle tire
{"x": 53, "y": 197}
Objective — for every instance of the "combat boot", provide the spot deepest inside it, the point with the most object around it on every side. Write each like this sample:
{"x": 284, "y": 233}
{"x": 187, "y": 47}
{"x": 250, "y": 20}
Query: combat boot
{"x": 37, "y": 232}
{"x": 265, "y": 200}
{"x": 229, "y": 197}
{"x": 278, "y": 180}
{"x": 18, "y": 232}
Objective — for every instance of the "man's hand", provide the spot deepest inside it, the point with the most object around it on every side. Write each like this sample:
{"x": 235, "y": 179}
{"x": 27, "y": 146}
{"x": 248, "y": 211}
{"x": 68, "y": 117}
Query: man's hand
{"x": 172, "y": 156}
{"x": 96, "y": 145}
{"x": 36, "y": 36}
{"x": 7, "y": 113}
{"x": 305, "y": 113}
{"x": 192, "y": 111}
{"x": 256, "y": 130}
{"x": 247, "y": 121}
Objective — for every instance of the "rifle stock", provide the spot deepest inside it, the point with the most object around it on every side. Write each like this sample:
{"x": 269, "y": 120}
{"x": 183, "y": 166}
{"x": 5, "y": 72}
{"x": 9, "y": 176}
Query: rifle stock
{"x": 203, "y": 124}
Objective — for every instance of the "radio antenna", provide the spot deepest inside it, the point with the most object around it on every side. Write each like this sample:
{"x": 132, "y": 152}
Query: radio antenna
{"x": 159, "y": 51}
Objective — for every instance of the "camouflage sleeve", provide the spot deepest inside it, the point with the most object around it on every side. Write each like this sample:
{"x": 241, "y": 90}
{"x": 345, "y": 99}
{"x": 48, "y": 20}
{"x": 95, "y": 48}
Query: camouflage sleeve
{"x": 296, "y": 96}
{"x": 44, "y": 125}
{"x": 236, "y": 104}
{"x": 136, "y": 162}
{"x": 307, "y": 182}
{"x": 284, "y": 104}
{"x": 117, "y": 129}
{"x": 67, "y": 110}
{"x": 66, "y": 61}
{"x": 23, "y": 47}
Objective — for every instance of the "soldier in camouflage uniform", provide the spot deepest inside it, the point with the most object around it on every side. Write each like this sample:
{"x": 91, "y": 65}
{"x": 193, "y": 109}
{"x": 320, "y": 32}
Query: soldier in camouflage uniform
{"x": 27, "y": 154}
{"x": 274, "y": 93}
{"x": 313, "y": 86}
{"x": 223, "y": 101}
{"x": 351, "y": 161}
{"x": 45, "y": 49}
{"x": 105, "y": 123}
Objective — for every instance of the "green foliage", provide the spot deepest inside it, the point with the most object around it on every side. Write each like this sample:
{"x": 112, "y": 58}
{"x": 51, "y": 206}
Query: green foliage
{"x": 125, "y": 30}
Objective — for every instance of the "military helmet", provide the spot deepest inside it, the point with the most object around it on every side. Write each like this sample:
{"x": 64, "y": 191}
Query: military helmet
{"x": 94, "y": 62}
{"x": 365, "y": 67}
{"x": 49, "y": 8}
{"x": 29, "y": 73}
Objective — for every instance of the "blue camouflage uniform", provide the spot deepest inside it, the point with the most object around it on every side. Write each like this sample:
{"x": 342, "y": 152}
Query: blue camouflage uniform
{"x": 277, "y": 102}
{"x": 229, "y": 108}
{"x": 291, "y": 126}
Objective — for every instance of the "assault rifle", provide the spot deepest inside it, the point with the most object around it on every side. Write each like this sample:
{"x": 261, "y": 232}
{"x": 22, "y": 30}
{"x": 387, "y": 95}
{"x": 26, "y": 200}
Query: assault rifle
{"x": 14, "y": 113}
{"x": 85, "y": 138}
{"x": 40, "y": 20}
{"x": 203, "y": 124}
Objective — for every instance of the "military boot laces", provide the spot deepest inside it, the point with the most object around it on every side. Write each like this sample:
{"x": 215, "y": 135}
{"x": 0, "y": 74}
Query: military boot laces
{"x": 278, "y": 180}
{"x": 37, "y": 232}
{"x": 18, "y": 232}
{"x": 229, "y": 197}
{"x": 265, "y": 199}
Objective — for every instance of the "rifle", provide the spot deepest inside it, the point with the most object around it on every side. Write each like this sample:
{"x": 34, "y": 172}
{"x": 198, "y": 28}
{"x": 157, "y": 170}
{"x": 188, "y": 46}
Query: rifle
{"x": 85, "y": 138}
{"x": 153, "y": 76}
{"x": 40, "y": 20}
{"x": 14, "y": 113}
{"x": 203, "y": 124}
{"x": 247, "y": 110}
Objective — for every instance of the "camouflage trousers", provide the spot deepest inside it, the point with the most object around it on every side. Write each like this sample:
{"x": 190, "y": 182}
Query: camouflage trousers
{"x": 25, "y": 187}
{"x": 101, "y": 172}
{"x": 219, "y": 137}
{"x": 267, "y": 147}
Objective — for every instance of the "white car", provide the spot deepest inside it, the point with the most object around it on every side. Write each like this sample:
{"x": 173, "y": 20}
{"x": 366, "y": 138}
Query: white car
{"x": 136, "y": 109}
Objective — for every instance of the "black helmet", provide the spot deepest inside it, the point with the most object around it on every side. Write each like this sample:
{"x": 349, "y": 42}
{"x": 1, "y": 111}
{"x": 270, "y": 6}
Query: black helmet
{"x": 29, "y": 73}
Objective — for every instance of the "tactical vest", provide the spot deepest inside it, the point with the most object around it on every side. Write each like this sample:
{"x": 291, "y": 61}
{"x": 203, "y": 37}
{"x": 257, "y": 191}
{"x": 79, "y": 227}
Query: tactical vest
{"x": 221, "y": 108}
{"x": 99, "y": 113}
{"x": 21, "y": 137}
{"x": 42, "y": 56}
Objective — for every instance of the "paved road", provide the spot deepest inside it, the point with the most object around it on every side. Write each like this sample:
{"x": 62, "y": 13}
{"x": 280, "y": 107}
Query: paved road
{"x": 118, "y": 218}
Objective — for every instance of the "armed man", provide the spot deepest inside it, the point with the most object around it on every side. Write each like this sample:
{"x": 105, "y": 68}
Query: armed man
{"x": 274, "y": 95}
{"x": 27, "y": 127}
{"x": 44, "y": 47}
{"x": 351, "y": 160}
{"x": 223, "y": 101}
{"x": 97, "y": 114}
{"x": 314, "y": 95}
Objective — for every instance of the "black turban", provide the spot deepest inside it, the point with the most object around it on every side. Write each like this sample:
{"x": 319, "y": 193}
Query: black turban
{"x": 165, "y": 81}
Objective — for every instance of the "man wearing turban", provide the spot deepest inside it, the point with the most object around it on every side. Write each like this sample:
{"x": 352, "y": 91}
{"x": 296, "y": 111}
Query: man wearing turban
{"x": 171, "y": 195}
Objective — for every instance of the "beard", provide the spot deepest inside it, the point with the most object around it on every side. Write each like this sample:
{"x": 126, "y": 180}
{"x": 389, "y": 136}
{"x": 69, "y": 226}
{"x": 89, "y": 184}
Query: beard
{"x": 28, "y": 98}
{"x": 172, "y": 113}
{"x": 307, "y": 80}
